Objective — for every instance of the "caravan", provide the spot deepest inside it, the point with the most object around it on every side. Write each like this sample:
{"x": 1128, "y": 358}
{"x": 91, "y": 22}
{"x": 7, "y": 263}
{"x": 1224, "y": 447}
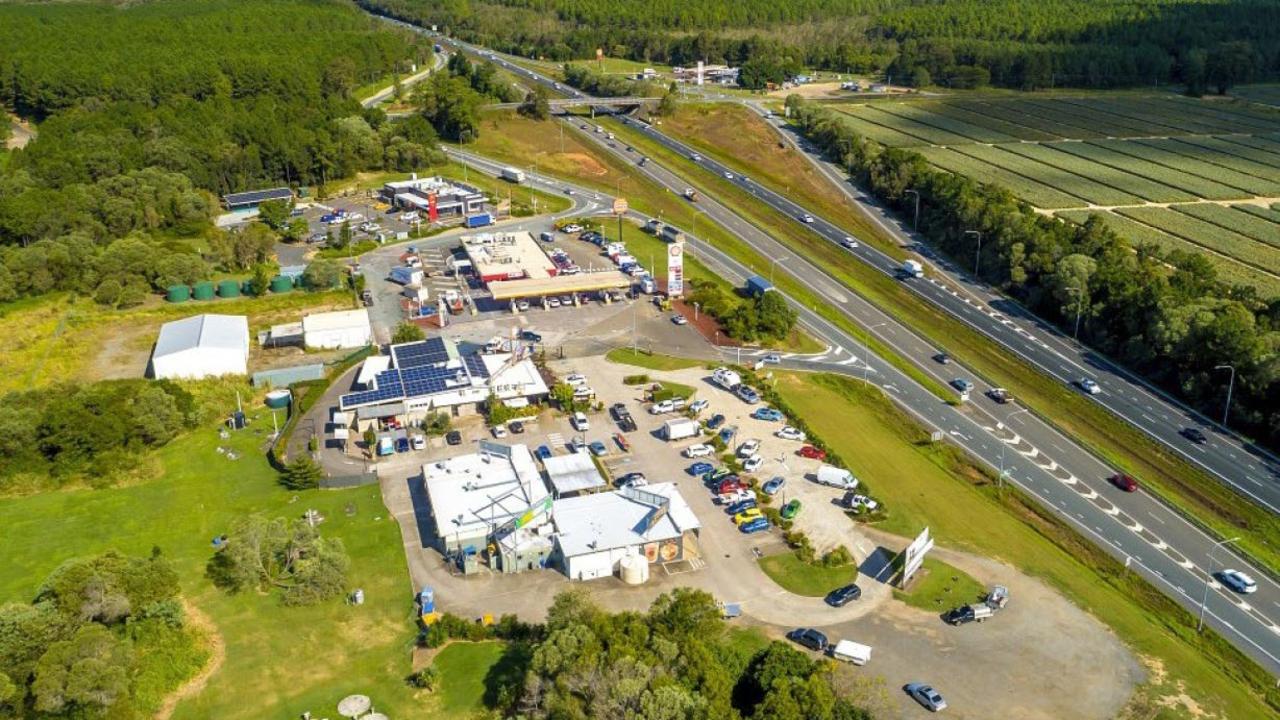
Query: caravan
{"x": 851, "y": 652}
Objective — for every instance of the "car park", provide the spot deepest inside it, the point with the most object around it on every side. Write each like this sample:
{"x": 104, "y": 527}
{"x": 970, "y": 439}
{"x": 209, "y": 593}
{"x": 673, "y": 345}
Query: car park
{"x": 453, "y": 437}
{"x": 767, "y": 414}
{"x": 715, "y": 422}
{"x": 698, "y": 406}
{"x": 791, "y": 433}
{"x": 773, "y": 485}
{"x": 928, "y": 697}
{"x": 814, "y": 453}
{"x": 842, "y": 596}
{"x": 962, "y": 385}
{"x": 580, "y": 422}
{"x": 1124, "y": 482}
{"x": 700, "y": 468}
{"x": 1194, "y": 435}
{"x": 1089, "y": 386}
{"x": 661, "y": 407}
{"x": 1237, "y": 581}
{"x": 808, "y": 637}
{"x": 749, "y": 448}
{"x": 598, "y": 448}
{"x": 790, "y": 510}
{"x": 699, "y": 450}
{"x": 760, "y": 524}
{"x": 752, "y": 463}
{"x": 748, "y": 394}
{"x": 543, "y": 452}
{"x": 746, "y": 516}
{"x": 499, "y": 431}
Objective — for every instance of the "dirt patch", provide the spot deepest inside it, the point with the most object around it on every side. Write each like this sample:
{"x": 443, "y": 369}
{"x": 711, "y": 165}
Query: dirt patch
{"x": 21, "y": 132}
{"x": 203, "y": 624}
{"x": 586, "y": 164}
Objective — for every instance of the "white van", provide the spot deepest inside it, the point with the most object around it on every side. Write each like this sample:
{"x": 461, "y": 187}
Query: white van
{"x": 835, "y": 477}
{"x": 851, "y": 652}
{"x": 580, "y": 423}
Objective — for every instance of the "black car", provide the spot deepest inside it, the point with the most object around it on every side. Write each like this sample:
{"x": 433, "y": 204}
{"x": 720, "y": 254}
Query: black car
{"x": 453, "y": 437}
{"x": 959, "y": 616}
{"x": 618, "y": 411}
{"x": 841, "y": 596}
{"x": 530, "y": 336}
{"x": 808, "y": 637}
{"x": 942, "y": 358}
{"x": 1194, "y": 435}
{"x": 627, "y": 424}
{"x": 516, "y": 427}
{"x": 715, "y": 422}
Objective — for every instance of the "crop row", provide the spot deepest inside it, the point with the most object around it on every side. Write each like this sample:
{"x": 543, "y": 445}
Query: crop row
{"x": 969, "y": 131}
{"x": 1129, "y": 157}
{"x": 1015, "y": 158}
{"x": 1105, "y": 123}
{"x": 1259, "y": 142}
{"x": 1250, "y": 252}
{"x": 1128, "y": 184}
{"x": 1168, "y": 119}
{"x": 1028, "y": 189}
{"x": 1250, "y": 184}
{"x": 1237, "y": 221}
{"x": 1007, "y": 111}
{"x": 987, "y": 120}
{"x": 932, "y": 135}
{"x": 1255, "y": 119}
{"x": 1250, "y": 161}
{"x": 875, "y": 131}
{"x": 1272, "y": 213}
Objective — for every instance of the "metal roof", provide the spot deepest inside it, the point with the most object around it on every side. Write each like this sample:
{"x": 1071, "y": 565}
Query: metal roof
{"x": 611, "y": 520}
{"x": 223, "y": 332}
{"x": 571, "y": 473}
{"x": 254, "y": 197}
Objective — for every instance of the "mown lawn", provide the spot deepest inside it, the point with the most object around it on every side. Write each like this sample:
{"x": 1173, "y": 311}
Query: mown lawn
{"x": 279, "y": 661}
{"x": 938, "y": 586}
{"x": 464, "y": 668}
{"x": 649, "y": 361}
{"x": 802, "y": 578}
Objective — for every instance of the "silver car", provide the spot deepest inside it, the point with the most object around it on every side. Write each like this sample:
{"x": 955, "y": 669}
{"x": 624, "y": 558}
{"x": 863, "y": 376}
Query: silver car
{"x": 926, "y": 696}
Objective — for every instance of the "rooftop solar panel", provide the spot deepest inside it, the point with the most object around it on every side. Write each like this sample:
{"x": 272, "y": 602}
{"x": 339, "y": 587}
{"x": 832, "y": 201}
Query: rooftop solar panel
{"x": 475, "y": 365}
{"x": 257, "y": 196}
{"x": 431, "y": 351}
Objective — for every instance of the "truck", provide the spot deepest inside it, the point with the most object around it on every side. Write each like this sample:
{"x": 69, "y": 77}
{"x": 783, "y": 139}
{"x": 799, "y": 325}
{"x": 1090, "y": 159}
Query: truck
{"x": 691, "y": 195}
{"x": 406, "y": 275}
{"x": 478, "y": 220}
{"x": 851, "y": 652}
{"x": 671, "y": 234}
{"x": 647, "y": 284}
{"x": 913, "y": 268}
{"x": 652, "y": 226}
{"x": 726, "y": 378}
{"x": 679, "y": 429}
{"x": 510, "y": 174}
{"x": 835, "y": 477}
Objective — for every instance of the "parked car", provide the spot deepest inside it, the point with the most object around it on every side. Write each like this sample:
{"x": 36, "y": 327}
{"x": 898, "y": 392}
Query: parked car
{"x": 543, "y": 452}
{"x": 661, "y": 407}
{"x": 1089, "y": 386}
{"x": 598, "y": 448}
{"x": 748, "y": 394}
{"x": 741, "y": 506}
{"x": 576, "y": 379}
{"x": 790, "y": 510}
{"x": 749, "y": 448}
{"x": 808, "y": 637}
{"x": 529, "y": 335}
{"x": 746, "y": 516}
{"x": 717, "y": 475}
{"x": 727, "y": 433}
{"x": 767, "y": 414}
{"x": 632, "y": 480}
{"x": 716, "y": 421}
{"x": 499, "y": 431}
{"x": 773, "y": 485}
{"x": 1194, "y": 435}
{"x": 926, "y": 696}
{"x": 760, "y": 524}
{"x": 699, "y": 450}
{"x": 679, "y": 320}
{"x": 453, "y": 437}
{"x": 580, "y": 422}
{"x": 619, "y": 411}
{"x": 700, "y": 468}
{"x": 698, "y": 406}
{"x": 854, "y": 501}
{"x": 959, "y": 616}
{"x": 841, "y": 596}
{"x": 418, "y": 442}
{"x": 752, "y": 463}
{"x": 1124, "y": 482}
{"x": 790, "y": 433}
{"x": 809, "y": 451}
{"x": 728, "y": 486}
{"x": 1237, "y": 581}
{"x": 962, "y": 385}
{"x": 402, "y": 444}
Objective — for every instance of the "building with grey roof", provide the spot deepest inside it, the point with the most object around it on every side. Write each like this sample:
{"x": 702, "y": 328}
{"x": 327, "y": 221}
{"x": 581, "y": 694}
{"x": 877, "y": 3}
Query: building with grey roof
{"x": 202, "y": 346}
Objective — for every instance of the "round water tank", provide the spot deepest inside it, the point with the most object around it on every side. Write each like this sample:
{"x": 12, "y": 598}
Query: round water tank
{"x": 280, "y": 284}
{"x": 635, "y": 570}
{"x": 229, "y": 289}
{"x": 202, "y": 290}
{"x": 179, "y": 293}
{"x": 278, "y": 399}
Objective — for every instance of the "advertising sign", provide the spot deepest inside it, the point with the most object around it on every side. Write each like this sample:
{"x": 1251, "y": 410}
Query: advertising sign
{"x": 675, "y": 269}
{"x": 913, "y": 556}
{"x": 432, "y": 211}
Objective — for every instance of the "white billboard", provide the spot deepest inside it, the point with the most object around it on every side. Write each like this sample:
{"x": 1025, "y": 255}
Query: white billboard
{"x": 675, "y": 269}
{"x": 913, "y": 556}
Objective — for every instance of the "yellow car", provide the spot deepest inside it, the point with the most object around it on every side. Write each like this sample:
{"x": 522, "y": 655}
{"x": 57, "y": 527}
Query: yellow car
{"x": 746, "y": 516}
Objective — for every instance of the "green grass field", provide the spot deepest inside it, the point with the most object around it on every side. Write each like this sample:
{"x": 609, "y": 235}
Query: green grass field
{"x": 794, "y": 575}
{"x": 938, "y": 587}
{"x": 648, "y": 360}
{"x": 464, "y": 669}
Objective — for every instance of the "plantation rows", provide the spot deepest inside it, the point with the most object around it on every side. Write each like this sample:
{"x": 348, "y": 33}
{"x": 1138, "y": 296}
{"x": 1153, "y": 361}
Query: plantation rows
{"x": 1237, "y": 219}
{"x": 1217, "y": 151}
{"x": 1170, "y": 184}
{"x": 1208, "y": 235}
{"x": 1028, "y": 189}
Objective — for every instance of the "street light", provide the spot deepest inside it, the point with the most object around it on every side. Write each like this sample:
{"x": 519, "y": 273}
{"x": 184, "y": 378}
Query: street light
{"x": 1003, "y": 472}
{"x": 1230, "y": 386}
{"x": 977, "y": 256}
{"x": 915, "y": 224}
{"x": 774, "y": 264}
{"x": 1209, "y": 576}
{"x": 866, "y": 351}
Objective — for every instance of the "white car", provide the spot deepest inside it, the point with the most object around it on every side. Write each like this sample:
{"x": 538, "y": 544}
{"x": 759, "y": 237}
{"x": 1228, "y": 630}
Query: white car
{"x": 576, "y": 379}
{"x": 580, "y": 422}
{"x": 752, "y": 463}
{"x": 699, "y": 450}
{"x": 699, "y": 405}
{"x": 806, "y": 218}
{"x": 860, "y": 501}
{"x": 849, "y": 242}
{"x": 1238, "y": 581}
{"x": 1090, "y": 386}
{"x": 749, "y": 448}
{"x": 419, "y": 442}
{"x": 696, "y": 157}
{"x": 679, "y": 320}
{"x": 572, "y": 228}
{"x": 927, "y": 696}
{"x": 791, "y": 433}
{"x": 499, "y": 431}
{"x": 552, "y": 302}
{"x": 522, "y": 305}
{"x": 736, "y": 496}
{"x": 660, "y": 408}
{"x": 772, "y": 359}
{"x": 728, "y": 175}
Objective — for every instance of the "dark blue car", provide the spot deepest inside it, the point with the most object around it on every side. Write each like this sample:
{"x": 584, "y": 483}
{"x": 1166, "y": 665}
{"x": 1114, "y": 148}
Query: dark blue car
{"x": 543, "y": 452}
{"x": 738, "y": 507}
{"x": 727, "y": 434}
{"x": 754, "y": 526}
{"x": 700, "y": 468}
{"x": 715, "y": 422}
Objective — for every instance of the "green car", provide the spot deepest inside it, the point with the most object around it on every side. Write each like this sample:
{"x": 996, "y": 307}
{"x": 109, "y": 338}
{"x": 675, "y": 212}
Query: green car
{"x": 790, "y": 510}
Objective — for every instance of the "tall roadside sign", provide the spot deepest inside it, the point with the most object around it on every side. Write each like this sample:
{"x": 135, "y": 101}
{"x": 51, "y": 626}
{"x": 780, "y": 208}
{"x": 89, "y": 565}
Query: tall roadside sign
{"x": 675, "y": 269}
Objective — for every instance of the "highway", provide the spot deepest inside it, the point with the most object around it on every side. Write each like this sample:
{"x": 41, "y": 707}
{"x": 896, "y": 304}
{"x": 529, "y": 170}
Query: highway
{"x": 1133, "y": 527}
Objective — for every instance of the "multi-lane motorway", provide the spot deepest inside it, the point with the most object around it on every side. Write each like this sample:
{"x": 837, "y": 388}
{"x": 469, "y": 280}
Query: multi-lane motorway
{"x": 1133, "y": 527}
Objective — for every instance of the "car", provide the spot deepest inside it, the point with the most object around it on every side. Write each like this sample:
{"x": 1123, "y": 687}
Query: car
{"x": 1089, "y": 386}
{"x": 1237, "y": 581}
{"x": 791, "y": 433}
{"x": 808, "y": 637}
{"x": 529, "y": 335}
{"x": 749, "y": 448}
{"x": 728, "y": 175}
{"x": 570, "y": 191}
{"x": 699, "y": 450}
{"x": 679, "y": 320}
{"x": 767, "y": 414}
{"x": 962, "y": 385}
{"x": 576, "y": 379}
{"x": 598, "y": 448}
{"x": 735, "y": 497}
{"x": 700, "y": 468}
{"x": 752, "y": 463}
{"x": 960, "y": 615}
{"x": 551, "y": 302}
{"x": 1000, "y": 395}
{"x": 543, "y": 452}
{"x": 727, "y": 433}
{"x": 746, "y": 516}
{"x": 1194, "y": 435}
{"x": 942, "y": 358}
{"x": 418, "y": 442}
{"x": 716, "y": 421}
{"x": 582, "y": 126}
{"x": 790, "y": 510}
{"x": 760, "y": 524}
{"x": 716, "y": 475}
{"x": 566, "y": 301}
{"x": 522, "y": 306}
{"x": 695, "y": 157}
{"x": 453, "y": 437}
{"x": 632, "y": 480}
{"x": 402, "y": 444}
{"x": 806, "y": 218}
{"x": 842, "y": 596}
{"x": 499, "y": 431}
{"x": 729, "y": 485}
{"x": 623, "y": 444}
{"x": 811, "y": 452}
{"x": 773, "y": 485}
{"x": 677, "y": 403}
{"x": 741, "y": 506}
{"x": 698, "y": 406}
{"x": 580, "y": 422}
{"x": 849, "y": 242}
{"x": 854, "y": 501}
{"x": 772, "y": 359}
{"x": 1124, "y": 482}
{"x": 748, "y": 394}
{"x": 661, "y": 407}
{"x": 571, "y": 228}
{"x": 619, "y": 411}
{"x": 926, "y": 696}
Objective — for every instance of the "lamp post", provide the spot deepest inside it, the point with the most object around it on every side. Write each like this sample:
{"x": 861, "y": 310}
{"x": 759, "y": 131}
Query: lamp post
{"x": 915, "y": 223}
{"x": 774, "y": 264}
{"x": 1003, "y": 472}
{"x": 1226, "y": 411}
{"x": 866, "y": 351}
{"x": 977, "y": 256}
{"x": 1209, "y": 576}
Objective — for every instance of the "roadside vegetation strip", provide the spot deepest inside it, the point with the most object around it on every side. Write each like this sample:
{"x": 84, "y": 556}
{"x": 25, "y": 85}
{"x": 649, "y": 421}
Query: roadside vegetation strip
{"x": 1062, "y": 157}
{"x": 1218, "y": 152}
{"x": 1188, "y": 173}
{"x": 1204, "y": 500}
{"x": 1065, "y": 180}
{"x": 1235, "y": 219}
{"x": 1036, "y": 193}
{"x": 650, "y": 360}
{"x": 1246, "y": 250}
{"x": 936, "y": 484}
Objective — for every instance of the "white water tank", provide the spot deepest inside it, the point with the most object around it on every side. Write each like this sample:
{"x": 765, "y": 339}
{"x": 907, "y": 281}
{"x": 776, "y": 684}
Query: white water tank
{"x": 635, "y": 570}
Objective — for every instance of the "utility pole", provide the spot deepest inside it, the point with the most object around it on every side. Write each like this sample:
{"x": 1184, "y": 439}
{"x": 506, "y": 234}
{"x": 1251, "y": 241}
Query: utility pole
{"x": 1075, "y": 334}
{"x": 866, "y": 352}
{"x": 1208, "y": 575}
{"x": 977, "y": 256}
{"x": 1226, "y": 411}
{"x": 915, "y": 224}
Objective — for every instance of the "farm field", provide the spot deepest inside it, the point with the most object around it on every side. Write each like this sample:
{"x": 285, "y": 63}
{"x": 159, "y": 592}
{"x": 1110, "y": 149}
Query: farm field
{"x": 1183, "y": 174}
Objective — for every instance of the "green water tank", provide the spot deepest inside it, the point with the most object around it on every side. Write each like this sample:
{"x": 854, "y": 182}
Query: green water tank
{"x": 281, "y": 284}
{"x": 202, "y": 290}
{"x": 229, "y": 289}
{"x": 278, "y": 399}
{"x": 178, "y": 293}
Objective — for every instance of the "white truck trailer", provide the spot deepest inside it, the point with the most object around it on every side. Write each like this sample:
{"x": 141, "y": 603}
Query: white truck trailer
{"x": 679, "y": 429}
{"x": 511, "y": 174}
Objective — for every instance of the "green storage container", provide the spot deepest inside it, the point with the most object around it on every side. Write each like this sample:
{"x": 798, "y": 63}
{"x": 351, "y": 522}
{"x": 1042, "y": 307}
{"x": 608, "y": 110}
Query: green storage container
{"x": 228, "y": 289}
{"x": 202, "y": 290}
{"x": 179, "y": 293}
{"x": 281, "y": 284}
{"x": 246, "y": 288}
{"x": 278, "y": 399}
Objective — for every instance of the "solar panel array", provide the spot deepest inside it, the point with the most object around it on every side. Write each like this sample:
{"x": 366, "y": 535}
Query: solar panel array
{"x": 390, "y": 387}
{"x": 419, "y": 369}
{"x": 254, "y": 196}
{"x": 428, "y": 380}
{"x": 431, "y": 351}
{"x": 475, "y": 366}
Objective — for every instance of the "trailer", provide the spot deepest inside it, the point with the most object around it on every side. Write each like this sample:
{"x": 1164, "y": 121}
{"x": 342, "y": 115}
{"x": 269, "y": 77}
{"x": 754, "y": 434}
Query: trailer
{"x": 679, "y": 429}
{"x": 478, "y": 220}
{"x": 511, "y": 174}
{"x": 406, "y": 275}
{"x": 671, "y": 234}
{"x": 913, "y": 268}
{"x": 851, "y": 652}
{"x": 726, "y": 378}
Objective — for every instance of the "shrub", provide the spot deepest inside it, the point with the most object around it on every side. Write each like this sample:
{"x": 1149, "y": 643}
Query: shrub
{"x": 837, "y": 557}
{"x": 425, "y": 679}
{"x": 635, "y": 379}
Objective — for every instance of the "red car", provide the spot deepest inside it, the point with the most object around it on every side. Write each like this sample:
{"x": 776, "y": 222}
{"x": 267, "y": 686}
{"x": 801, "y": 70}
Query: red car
{"x": 728, "y": 486}
{"x": 810, "y": 451}
{"x": 1124, "y": 482}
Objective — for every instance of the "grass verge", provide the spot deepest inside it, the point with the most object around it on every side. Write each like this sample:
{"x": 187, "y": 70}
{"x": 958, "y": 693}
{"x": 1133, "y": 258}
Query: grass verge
{"x": 811, "y": 580}
{"x": 648, "y": 360}
{"x": 938, "y": 587}
{"x": 464, "y": 671}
